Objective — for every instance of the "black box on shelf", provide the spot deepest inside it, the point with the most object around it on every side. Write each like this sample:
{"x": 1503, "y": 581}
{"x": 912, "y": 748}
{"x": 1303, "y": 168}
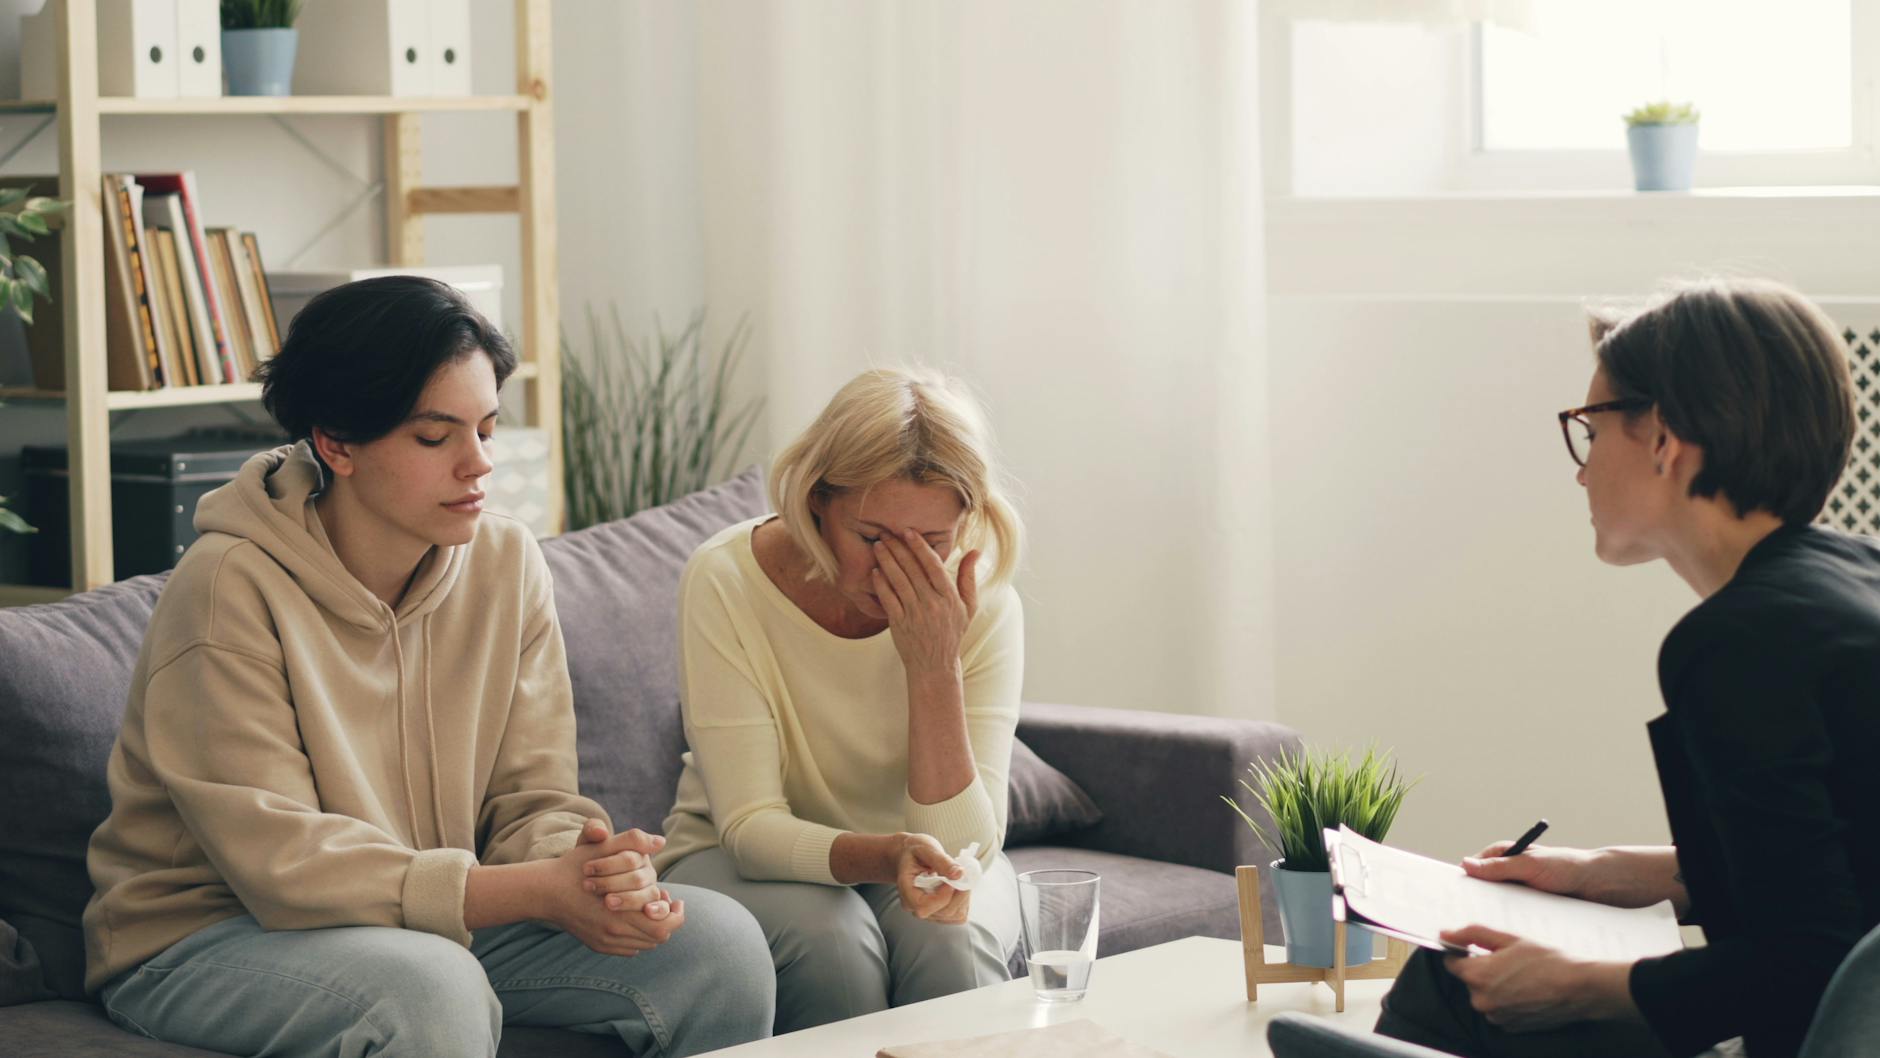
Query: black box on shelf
{"x": 154, "y": 488}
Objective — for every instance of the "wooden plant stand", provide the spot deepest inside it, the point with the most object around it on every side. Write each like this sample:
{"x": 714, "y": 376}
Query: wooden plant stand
{"x": 1260, "y": 972}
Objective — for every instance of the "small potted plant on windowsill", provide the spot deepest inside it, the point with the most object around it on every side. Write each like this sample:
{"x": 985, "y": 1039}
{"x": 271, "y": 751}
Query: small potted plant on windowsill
{"x": 1662, "y": 140}
{"x": 1306, "y": 794}
{"x": 258, "y": 44}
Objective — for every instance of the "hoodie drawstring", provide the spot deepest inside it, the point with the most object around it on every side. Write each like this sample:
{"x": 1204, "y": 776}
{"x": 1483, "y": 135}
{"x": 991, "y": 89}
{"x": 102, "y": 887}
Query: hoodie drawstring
{"x": 404, "y": 749}
{"x": 430, "y": 728}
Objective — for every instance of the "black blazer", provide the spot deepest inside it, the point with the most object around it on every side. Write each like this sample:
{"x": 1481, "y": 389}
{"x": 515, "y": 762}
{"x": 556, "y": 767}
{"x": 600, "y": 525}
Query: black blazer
{"x": 1769, "y": 756}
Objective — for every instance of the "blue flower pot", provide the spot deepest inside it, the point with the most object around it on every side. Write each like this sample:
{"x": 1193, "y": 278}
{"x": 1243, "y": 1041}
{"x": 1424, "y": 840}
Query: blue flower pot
{"x": 1663, "y": 156}
{"x": 259, "y": 62}
{"x": 1305, "y": 917}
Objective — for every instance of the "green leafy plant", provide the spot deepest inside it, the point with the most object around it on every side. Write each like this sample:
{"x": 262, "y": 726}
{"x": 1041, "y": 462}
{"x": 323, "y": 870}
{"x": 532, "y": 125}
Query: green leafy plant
{"x": 643, "y": 425}
{"x": 1311, "y": 791}
{"x": 12, "y": 523}
{"x": 23, "y": 218}
{"x": 1664, "y": 113}
{"x": 259, "y": 14}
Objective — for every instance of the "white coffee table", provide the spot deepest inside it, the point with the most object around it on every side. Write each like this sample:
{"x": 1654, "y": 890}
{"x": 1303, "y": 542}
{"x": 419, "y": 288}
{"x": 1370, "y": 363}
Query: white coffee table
{"x": 1186, "y": 998}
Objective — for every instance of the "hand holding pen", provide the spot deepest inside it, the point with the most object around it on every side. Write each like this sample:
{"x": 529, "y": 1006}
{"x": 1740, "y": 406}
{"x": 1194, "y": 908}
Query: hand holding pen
{"x": 1551, "y": 870}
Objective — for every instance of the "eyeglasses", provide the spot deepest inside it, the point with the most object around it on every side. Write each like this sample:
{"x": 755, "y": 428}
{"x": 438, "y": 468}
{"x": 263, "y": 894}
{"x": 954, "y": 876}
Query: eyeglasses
{"x": 1579, "y": 432}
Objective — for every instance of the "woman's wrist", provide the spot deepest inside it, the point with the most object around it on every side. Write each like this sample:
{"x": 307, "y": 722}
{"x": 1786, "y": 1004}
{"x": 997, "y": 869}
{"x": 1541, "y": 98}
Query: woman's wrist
{"x": 858, "y": 858}
{"x": 511, "y": 892}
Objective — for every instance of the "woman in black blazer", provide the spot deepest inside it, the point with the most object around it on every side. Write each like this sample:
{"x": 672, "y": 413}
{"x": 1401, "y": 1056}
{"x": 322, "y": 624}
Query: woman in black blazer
{"x": 1716, "y": 424}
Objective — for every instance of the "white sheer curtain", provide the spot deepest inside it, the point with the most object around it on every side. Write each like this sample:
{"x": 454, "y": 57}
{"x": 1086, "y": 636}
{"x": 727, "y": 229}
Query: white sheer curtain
{"x": 1058, "y": 200}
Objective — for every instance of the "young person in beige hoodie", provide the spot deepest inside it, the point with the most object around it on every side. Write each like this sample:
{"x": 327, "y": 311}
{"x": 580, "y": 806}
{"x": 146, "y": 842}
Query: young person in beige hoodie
{"x": 345, "y": 817}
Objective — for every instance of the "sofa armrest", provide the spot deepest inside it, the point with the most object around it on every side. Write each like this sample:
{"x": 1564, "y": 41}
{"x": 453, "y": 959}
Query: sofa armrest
{"x": 1159, "y": 778}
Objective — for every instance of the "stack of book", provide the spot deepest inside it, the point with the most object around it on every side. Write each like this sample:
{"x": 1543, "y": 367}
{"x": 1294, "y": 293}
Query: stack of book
{"x": 185, "y": 304}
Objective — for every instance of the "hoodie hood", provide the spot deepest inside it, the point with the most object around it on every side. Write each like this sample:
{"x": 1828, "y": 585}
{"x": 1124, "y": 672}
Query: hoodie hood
{"x": 270, "y": 504}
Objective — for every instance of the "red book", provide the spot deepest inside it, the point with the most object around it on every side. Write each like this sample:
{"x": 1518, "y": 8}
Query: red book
{"x": 184, "y": 184}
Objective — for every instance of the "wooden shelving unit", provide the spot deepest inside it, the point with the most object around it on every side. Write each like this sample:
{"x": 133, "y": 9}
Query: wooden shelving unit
{"x": 89, "y": 403}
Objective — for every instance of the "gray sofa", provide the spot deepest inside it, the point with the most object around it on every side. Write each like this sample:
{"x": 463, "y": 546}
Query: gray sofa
{"x": 1133, "y": 795}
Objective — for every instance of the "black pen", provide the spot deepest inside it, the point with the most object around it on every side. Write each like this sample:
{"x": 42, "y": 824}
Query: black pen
{"x": 1527, "y": 839}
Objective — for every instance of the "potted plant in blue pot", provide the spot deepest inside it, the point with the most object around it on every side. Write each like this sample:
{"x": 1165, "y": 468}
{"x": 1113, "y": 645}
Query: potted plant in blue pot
{"x": 1662, "y": 139}
{"x": 258, "y": 43}
{"x": 1305, "y": 794}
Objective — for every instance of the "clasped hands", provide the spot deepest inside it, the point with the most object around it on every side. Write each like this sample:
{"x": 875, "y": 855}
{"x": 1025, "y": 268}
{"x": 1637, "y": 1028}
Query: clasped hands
{"x": 608, "y": 895}
{"x": 1524, "y": 986}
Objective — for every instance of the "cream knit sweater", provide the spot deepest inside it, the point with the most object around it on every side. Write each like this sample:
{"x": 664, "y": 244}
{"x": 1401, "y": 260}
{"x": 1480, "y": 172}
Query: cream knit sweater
{"x": 296, "y": 750}
{"x": 798, "y": 735}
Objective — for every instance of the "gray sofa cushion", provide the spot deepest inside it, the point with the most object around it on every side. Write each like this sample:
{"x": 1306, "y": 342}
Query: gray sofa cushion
{"x": 1044, "y": 802}
{"x": 64, "y": 671}
{"x": 1143, "y": 902}
{"x": 617, "y": 593}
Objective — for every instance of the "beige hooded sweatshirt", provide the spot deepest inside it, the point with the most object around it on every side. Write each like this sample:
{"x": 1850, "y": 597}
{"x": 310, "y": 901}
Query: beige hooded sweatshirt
{"x": 296, "y": 750}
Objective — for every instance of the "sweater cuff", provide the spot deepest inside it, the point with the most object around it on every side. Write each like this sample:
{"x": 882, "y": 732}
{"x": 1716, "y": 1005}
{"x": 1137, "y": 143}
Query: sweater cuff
{"x": 549, "y": 846}
{"x": 434, "y": 888}
{"x": 809, "y": 855}
{"x": 956, "y": 822}
{"x": 1674, "y": 1001}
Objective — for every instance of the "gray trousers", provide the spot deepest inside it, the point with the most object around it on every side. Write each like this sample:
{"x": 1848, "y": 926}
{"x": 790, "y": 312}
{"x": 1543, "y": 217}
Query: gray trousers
{"x": 844, "y": 950}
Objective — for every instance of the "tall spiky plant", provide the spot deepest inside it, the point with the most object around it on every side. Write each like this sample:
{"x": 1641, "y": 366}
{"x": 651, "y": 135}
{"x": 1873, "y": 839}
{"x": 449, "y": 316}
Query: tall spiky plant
{"x": 643, "y": 425}
{"x": 259, "y": 14}
{"x": 1311, "y": 791}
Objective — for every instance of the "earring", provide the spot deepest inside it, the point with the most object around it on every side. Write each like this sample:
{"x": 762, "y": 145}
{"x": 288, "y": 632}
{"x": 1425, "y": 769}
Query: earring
{"x": 1658, "y": 468}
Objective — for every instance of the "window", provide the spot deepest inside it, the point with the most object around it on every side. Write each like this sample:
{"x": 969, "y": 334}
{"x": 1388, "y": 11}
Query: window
{"x": 1767, "y": 76}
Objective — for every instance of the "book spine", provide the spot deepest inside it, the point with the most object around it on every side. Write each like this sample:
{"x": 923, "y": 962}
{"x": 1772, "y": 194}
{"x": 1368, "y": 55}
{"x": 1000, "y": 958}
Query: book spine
{"x": 145, "y": 316}
{"x": 210, "y": 292}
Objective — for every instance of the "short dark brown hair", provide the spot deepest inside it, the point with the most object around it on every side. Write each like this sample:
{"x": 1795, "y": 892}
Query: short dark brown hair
{"x": 1751, "y": 372}
{"x": 358, "y": 356}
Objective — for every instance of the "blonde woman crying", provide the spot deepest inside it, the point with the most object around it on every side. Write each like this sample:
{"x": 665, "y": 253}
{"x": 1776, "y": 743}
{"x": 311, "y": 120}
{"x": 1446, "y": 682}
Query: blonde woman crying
{"x": 850, "y": 682}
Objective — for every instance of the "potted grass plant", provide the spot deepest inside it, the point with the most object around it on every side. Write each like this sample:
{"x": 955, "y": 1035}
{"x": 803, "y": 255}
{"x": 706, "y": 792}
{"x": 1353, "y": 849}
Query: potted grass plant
{"x": 258, "y": 45}
{"x": 1305, "y": 794}
{"x": 646, "y": 423}
{"x": 1662, "y": 141}
{"x": 23, "y": 218}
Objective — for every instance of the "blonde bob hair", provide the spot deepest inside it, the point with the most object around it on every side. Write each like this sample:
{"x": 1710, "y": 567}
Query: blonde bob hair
{"x": 917, "y": 425}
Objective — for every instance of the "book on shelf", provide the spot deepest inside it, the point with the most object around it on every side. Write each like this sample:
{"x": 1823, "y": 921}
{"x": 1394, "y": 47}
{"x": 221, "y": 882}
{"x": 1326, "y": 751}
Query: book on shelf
{"x": 126, "y": 364}
{"x": 183, "y": 185}
{"x": 165, "y": 211}
{"x": 162, "y": 244}
{"x": 263, "y": 290}
{"x": 186, "y": 304}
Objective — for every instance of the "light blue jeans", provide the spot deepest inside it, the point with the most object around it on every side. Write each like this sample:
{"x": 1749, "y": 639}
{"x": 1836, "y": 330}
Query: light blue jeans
{"x": 374, "y": 990}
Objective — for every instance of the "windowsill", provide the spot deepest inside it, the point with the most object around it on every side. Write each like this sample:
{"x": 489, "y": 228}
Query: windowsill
{"x": 1809, "y": 192}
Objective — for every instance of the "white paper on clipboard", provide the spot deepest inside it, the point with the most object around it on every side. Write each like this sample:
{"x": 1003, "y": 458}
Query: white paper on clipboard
{"x": 1416, "y": 898}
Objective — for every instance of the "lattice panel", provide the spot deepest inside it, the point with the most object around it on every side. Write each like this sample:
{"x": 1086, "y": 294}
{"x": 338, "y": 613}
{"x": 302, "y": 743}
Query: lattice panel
{"x": 1854, "y": 505}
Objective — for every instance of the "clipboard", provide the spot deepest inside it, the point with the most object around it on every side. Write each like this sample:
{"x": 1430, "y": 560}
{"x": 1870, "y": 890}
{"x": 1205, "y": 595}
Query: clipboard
{"x": 1403, "y": 895}
{"x": 1348, "y": 871}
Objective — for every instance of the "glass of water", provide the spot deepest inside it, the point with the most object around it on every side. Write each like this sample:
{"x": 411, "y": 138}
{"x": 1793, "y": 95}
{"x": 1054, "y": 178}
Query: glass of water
{"x": 1059, "y": 909}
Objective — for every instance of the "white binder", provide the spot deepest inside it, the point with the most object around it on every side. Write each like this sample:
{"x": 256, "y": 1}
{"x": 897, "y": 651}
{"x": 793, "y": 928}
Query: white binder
{"x": 364, "y": 47}
{"x": 198, "y": 48}
{"x": 148, "y": 49}
{"x": 137, "y": 48}
{"x": 39, "y": 53}
{"x": 450, "y": 47}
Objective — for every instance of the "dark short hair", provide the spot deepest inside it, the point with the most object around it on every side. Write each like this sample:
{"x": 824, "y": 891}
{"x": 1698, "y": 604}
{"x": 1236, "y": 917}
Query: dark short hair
{"x": 1751, "y": 372}
{"x": 357, "y": 357}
